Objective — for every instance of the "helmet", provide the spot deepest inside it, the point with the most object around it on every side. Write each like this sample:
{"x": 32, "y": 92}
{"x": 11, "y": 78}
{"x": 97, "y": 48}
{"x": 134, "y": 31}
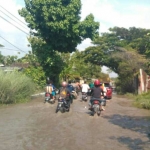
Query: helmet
{"x": 96, "y": 82}
{"x": 64, "y": 84}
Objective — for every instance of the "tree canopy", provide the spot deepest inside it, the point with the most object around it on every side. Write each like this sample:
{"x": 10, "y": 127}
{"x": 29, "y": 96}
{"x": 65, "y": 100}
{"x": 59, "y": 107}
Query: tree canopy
{"x": 124, "y": 51}
{"x": 58, "y": 23}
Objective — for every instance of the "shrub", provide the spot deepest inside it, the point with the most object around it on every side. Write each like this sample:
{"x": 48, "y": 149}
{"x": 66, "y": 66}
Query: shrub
{"x": 143, "y": 100}
{"x": 15, "y": 87}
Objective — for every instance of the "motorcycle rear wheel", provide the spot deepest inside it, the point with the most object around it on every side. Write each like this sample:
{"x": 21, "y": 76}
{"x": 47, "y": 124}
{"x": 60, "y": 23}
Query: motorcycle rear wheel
{"x": 56, "y": 111}
{"x": 62, "y": 110}
{"x": 98, "y": 113}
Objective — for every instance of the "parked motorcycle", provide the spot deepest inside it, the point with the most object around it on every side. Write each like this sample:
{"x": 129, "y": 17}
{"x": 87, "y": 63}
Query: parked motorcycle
{"x": 49, "y": 98}
{"x": 84, "y": 96}
{"x": 63, "y": 105}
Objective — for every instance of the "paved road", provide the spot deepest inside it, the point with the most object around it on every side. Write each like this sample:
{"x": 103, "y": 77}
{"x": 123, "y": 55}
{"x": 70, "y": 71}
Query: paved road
{"x": 36, "y": 126}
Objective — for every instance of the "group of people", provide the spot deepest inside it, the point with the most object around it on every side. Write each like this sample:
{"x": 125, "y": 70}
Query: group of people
{"x": 72, "y": 89}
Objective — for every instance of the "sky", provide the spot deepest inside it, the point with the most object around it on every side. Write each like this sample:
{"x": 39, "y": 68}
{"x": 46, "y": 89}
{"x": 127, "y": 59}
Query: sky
{"x": 109, "y": 13}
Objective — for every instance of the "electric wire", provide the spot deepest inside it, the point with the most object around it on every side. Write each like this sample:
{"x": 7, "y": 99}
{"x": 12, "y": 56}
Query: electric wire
{"x": 13, "y": 15}
{"x": 13, "y": 19}
{"x": 9, "y": 49}
{"x": 13, "y": 45}
{"x": 14, "y": 25}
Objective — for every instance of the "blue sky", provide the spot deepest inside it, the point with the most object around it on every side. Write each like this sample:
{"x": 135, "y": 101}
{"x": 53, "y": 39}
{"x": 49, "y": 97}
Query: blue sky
{"x": 110, "y": 13}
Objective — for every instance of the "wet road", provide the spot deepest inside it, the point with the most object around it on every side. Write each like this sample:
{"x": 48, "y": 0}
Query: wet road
{"x": 36, "y": 126}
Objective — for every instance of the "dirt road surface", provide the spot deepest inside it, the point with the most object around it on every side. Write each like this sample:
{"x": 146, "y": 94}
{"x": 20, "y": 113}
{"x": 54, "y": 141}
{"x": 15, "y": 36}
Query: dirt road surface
{"x": 36, "y": 126}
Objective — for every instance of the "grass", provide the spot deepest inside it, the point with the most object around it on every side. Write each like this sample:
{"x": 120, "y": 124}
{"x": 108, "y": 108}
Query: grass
{"x": 141, "y": 101}
{"x": 15, "y": 87}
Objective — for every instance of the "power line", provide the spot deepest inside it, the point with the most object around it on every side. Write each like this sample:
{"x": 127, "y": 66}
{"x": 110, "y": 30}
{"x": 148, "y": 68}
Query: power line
{"x": 14, "y": 25}
{"x": 9, "y": 49}
{"x": 13, "y": 19}
{"x": 13, "y": 15}
{"x": 13, "y": 45}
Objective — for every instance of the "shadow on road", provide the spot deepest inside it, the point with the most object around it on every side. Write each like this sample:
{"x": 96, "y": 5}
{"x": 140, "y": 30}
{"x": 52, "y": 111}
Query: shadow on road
{"x": 137, "y": 124}
{"x": 133, "y": 144}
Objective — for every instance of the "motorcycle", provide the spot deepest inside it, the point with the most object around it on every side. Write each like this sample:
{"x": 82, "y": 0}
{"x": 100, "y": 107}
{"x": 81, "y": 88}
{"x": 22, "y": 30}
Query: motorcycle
{"x": 96, "y": 108}
{"x": 84, "y": 96}
{"x": 49, "y": 98}
{"x": 63, "y": 106}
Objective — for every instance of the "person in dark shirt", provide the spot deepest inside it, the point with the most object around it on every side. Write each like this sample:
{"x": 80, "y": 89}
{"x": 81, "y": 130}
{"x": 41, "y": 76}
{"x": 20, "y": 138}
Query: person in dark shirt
{"x": 96, "y": 94}
{"x": 70, "y": 87}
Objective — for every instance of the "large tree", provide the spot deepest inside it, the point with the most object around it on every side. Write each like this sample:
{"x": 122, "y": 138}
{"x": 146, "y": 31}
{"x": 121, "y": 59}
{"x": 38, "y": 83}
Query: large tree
{"x": 58, "y": 23}
{"x": 124, "y": 51}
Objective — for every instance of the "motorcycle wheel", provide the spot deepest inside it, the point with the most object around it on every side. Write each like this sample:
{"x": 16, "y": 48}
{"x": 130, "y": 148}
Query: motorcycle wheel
{"x": 62, "y": 110}
{"x": 53, "y": 102}
{"x": 92, "y": 113}
{"x": 98, "y": 112}
{"x": 104, "y": 103}
{"x": 68, "y": 110}
{"x": 86, "y": 100}
{"x": 56, "y": 111}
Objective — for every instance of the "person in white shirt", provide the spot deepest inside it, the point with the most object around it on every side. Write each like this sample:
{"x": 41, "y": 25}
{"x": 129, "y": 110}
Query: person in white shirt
{"x": 85, "y": 87}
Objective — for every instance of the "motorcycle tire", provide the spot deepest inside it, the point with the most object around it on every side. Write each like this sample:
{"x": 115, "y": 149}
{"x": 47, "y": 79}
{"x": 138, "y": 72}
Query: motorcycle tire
{"x": 85, "y": 100}
{"x": 68, "y": 110}
{"x": 98, "y": 113}
{"x": 104, "y": 103}
{"x": 92, "y": 113}
{"x": 56, "y": 111}
{"x": 62, "y": 110}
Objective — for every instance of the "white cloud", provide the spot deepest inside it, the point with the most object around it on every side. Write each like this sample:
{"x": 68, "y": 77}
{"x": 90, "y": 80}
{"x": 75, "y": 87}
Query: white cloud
{"x": 117, "y": 13}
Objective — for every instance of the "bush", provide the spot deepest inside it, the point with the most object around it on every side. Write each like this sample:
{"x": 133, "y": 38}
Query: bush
{"x": 143, "y": 100}
{"x": 15, "y": 87}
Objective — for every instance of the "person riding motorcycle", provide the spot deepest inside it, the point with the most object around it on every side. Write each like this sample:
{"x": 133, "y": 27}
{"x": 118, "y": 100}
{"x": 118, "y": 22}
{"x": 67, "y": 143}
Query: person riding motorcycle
{"x": 49, "y": 87}
{"x": 72, "y": 91}
{"x": 53, "y": 88}
{"x": 85, "y": 87}
{"x": 78, "y": 87}
{"x": 97, "y": 92}
{"x": 63, "y": 91}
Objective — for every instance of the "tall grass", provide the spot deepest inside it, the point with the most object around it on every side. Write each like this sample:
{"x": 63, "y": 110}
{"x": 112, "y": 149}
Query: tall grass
{"x": 15, "y": 87}
{"x": 141, "y": 101}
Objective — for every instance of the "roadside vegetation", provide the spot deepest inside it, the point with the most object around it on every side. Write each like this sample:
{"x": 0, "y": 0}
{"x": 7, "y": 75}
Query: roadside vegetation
{"x": 15, "y": 87}
{"x": 140, "y": 101}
